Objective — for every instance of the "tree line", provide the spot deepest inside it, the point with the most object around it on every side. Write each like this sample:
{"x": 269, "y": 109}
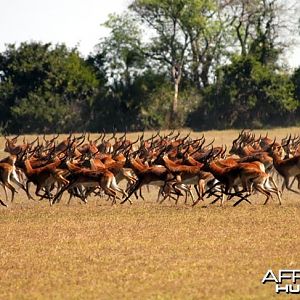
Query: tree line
{"x": 204, "y": 64}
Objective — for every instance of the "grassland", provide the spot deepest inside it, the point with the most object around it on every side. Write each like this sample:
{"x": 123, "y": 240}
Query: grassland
{"x": 147, "y": 251}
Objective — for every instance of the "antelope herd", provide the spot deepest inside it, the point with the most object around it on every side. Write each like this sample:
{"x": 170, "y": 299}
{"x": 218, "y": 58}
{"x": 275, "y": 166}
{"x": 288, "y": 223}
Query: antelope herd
{"x": 178, "y": 166}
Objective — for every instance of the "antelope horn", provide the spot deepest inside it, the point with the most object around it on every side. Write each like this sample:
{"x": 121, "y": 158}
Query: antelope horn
{"x": 97, "y": 139}
{"x": 81, "y": 142}
{"x": 210, "y": 143}
{"x": 209, "y": 154}
{"x": 183, "y": 140}
{"x": 271, "y": 146}
{"x": 288, "y": 141}
{"x": 202, "y": 137}
{"x": 234, "y": 141}
{"x": 170, "y": 134}
{"x": 225, "y": 149}
{"x": 81, "y": 137}
{"x": 103, "y": 135}
{"x": 176, "y": 136}
{"x": 31, "y": 144}
{"x": 156, "y": 135}
{"x": 15, "y": 138}
{"x": 186, "y": 150}
{"x": 150, "y": 139}
{"x": 142, "y": 136}
{"x": 114, "y": 134}
{"x": 122, "y": 136}
{"x": 202, "y": 143}
{"x": 258, "y": 140}
{"x": 138, "y": 138}
{"x": 114, "y": 152}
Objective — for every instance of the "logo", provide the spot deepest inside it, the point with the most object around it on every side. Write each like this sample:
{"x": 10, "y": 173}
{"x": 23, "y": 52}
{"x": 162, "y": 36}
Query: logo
{"x": 287, "y": 281}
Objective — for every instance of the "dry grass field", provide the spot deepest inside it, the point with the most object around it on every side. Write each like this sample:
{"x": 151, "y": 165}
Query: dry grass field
{"x": 147, "y": 250}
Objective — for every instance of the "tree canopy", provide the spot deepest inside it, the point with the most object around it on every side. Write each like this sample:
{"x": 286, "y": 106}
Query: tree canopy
{"x": 199, "y": 63}
{"x": 45, "y": 88}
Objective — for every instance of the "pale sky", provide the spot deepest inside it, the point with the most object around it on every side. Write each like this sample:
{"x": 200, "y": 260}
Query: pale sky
{"x": 73, "y": 22}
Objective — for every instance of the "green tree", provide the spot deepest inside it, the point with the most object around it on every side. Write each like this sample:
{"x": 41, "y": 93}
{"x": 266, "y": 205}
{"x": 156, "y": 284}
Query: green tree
{"x": 121, "y": 50}
{"x": 296, "y": 82}
{"x": 248, "y": 94}
{"x": 206, "y": 29}
{"x": 120, "y": 61}
{"x": 45, "y": 88}
{"x": 170, "y": 43}
{"x": 256, "y": 26}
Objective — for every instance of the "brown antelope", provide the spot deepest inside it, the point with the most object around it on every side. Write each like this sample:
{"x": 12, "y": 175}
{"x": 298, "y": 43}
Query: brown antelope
{"x": 115, "y": 165}
{"x": 287, "y": 168}
{"x": 12, "y": 148}
{"x": 187, "y": 175}
{"x": 85, "y": 177}
{"x": 168, "y": 161}
{"x": 154, "y": 175}
{"x": 8, "y": 174}
{"x": 42, "y": 177}
{"x": 253, "y": 177}
{"x": 247, "y": 175}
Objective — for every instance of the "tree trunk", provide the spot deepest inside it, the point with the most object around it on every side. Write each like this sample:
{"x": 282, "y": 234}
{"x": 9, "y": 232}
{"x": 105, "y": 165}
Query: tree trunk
{"x": 176, "y": 74}
{"x": 205, "y": 70}
{"x": 175, "y": 98}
